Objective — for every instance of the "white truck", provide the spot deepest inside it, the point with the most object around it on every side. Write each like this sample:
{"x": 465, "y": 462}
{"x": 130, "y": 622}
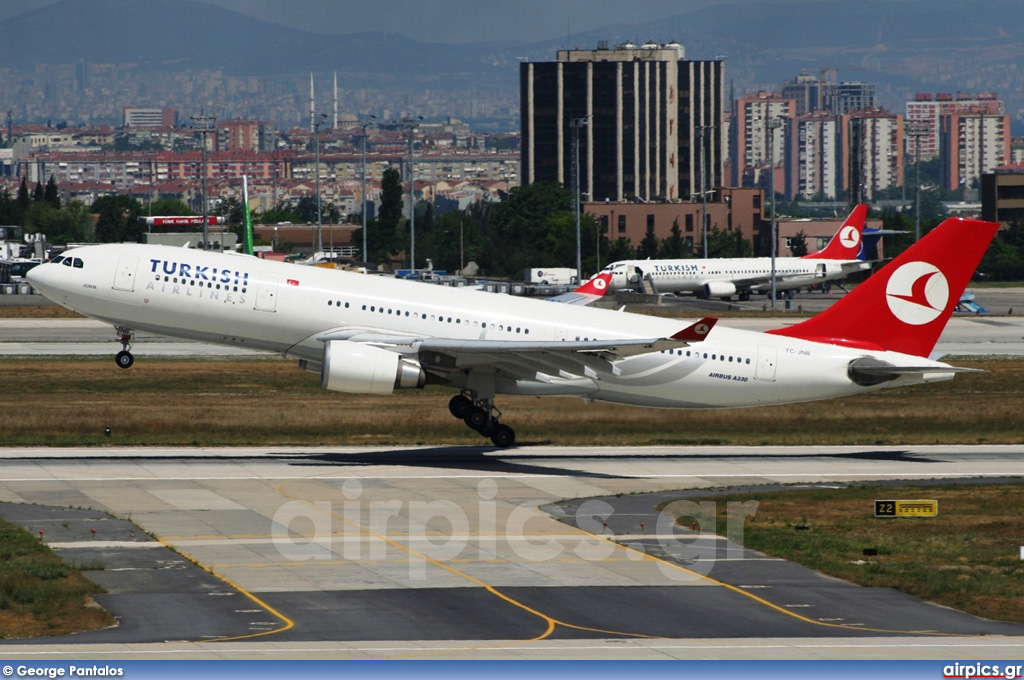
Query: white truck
{"x": 553, "y": 276}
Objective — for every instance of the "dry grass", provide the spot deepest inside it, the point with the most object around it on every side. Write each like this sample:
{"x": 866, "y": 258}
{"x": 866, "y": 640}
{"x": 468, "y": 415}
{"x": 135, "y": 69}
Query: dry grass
{"x": 271, "y": 402}
{"x": 37, "y": 312}
{"x": 39, "y": 594}
{"x": 966, "y": 558}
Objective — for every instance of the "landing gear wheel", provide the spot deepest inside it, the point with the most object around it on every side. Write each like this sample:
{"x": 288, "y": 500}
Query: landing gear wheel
{"x": 744, "y": 297}
{"x": 476, "y": 418}
{"x": 124, "y": 359}
{"x": 459, "y": 406}
{"x": 503, "y": 436}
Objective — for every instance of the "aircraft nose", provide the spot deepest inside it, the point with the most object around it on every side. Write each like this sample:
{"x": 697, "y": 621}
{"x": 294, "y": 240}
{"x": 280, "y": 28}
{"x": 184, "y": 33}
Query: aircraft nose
{"x": 41, "y": 278}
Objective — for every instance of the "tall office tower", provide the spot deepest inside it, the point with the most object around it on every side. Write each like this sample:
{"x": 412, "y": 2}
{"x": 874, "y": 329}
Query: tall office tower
{"x": 814, "y": 141}
{"x": 805, "y": 90}
{"x": 972, "y": 144}
{"x": 753, "y": 118}
{"x": 927, "y": 108}
{"x": 640, "y": 115}
{"x": 872, "y": 152}
{"x": 81, "y": 76}
{"x": 846, "y": 97}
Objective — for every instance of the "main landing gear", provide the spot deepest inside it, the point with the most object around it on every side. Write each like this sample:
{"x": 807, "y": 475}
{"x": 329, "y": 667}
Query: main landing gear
{"x": 482, "y": 416}
{"x": 124, "y": 358}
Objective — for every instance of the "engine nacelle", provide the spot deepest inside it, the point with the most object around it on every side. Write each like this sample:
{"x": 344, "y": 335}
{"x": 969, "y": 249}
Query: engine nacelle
{"x": 363, "y": 369}
{"x": 722, "y": 289}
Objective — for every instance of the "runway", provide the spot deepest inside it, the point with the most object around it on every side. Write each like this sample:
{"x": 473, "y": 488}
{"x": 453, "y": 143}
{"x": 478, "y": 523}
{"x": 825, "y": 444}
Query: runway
{"x": 455, "y": 552}
{"x": 465, "y": 552}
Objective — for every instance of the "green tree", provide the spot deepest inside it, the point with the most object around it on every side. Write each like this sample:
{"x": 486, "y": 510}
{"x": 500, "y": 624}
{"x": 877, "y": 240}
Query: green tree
{"x": 798, "y": 244}
{"x": 384, "y": 238}
{"x": 649, "y": 245}
{"x": 52, "y": 194}
{"x": 620, "y": 249}
{"x": 534, "y": 226}
{"x": 170, "y": 207}
{"x": 674, "y": 247}
{"x": 118, "y": 219}
{"x": 10, "y": 213}
{"x": 61, "y": 226}
{"x": 727, "y": 244}
{"x": 453, "y": 232}
{"x": 277, "y": 214}
{"x": 39, "y": 194}
{"x": 24, "y": 201}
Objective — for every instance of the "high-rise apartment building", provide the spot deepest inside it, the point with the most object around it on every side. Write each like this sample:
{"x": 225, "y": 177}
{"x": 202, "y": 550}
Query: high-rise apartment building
{"x": 643, "y": 116}
{"x": 972, "y": 144}
{"x": 872, "y": 152}
{"x": 812, "y": 168}
{"x": 757, "y": 120}
{"x": 926, "y": 109}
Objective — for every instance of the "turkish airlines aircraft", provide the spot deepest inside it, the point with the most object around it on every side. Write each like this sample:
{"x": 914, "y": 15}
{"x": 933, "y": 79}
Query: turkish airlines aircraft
{"x": 372, "y": 335}
{"x": 724, "y": 277}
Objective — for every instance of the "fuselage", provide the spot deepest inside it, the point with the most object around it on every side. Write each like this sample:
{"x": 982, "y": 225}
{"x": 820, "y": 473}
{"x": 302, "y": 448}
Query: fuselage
{"x": 247, "y": 302}
{"x": 750, "y": 274}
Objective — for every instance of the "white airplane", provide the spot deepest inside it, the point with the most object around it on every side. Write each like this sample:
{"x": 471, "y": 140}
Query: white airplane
{"x": 371, "y": 335}
{"x": 727, "y": 276}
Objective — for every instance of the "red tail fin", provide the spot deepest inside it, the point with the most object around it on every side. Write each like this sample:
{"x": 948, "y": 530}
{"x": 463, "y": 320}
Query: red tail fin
{"x": 596, "y": 286}
{"x": 845, "y": 245}
{"x": 904, "y": 306}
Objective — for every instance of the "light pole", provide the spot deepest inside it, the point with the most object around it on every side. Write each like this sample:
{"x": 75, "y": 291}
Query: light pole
{"x": 319, "y": 222}
{"x": 411, "y": 124}
{"x": 773, "y": 124}
{"x": 367, "y": 122}
{"x": 703, "y": 190}
{"x": 204, "y": 124}
{"x": 917, "y": 129}
{"x": 577, "y": 124}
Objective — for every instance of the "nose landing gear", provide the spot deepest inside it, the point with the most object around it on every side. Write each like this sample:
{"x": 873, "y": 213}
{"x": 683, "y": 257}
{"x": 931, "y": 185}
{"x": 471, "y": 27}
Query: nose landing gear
{"x": 482, "y": 416}
{"x": 124, "y": 358}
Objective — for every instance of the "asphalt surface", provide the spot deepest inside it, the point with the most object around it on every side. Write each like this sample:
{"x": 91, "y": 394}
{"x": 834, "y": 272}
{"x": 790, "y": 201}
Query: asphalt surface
{"x": 523, "y": 570}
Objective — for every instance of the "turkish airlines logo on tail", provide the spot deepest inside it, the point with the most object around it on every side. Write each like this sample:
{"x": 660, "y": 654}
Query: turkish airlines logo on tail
{"x": 917, "y": 293}
{"x": 849, "y": 236}
{"x": 600, "y": 283}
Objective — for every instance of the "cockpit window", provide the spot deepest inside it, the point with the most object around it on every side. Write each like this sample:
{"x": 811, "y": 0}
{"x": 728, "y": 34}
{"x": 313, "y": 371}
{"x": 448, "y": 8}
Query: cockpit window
{"x": 78, "y": 263}
{"x": 58, "y": 259}
{"x": 66, "y": 262}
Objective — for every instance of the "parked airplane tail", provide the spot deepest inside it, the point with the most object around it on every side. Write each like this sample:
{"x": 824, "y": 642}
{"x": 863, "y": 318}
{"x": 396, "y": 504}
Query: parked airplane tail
{"x": 905, "y": 305}
{"x": 591, "y": 291}
{"x": 846, "y": 244}
{"x": 598, "y": 285}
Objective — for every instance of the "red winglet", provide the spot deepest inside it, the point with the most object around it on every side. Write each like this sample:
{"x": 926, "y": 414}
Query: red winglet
{"x": 698, "y": 331}
{"x": 598, "y": 285}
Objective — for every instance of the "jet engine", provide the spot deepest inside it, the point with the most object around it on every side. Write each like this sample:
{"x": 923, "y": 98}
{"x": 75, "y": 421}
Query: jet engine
{"x": 722, "y": 289}
{"x": 363, "y": 369}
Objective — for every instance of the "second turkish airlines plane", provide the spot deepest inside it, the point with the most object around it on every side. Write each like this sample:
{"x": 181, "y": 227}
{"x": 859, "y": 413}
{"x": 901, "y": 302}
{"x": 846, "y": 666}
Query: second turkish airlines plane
{"x": 727, "y": 276}
{"x": 372, "y": 335}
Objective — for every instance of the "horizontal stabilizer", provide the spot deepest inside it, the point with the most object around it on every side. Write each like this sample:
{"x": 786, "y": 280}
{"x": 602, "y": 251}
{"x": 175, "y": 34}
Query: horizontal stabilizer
{"x": 871, "y": 371}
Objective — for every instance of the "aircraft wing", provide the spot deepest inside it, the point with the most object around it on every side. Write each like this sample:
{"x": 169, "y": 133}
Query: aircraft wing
{"x": 526, "y": 359}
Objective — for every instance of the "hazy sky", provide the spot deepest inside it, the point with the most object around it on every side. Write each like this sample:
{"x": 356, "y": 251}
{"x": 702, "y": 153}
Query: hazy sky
{"x": 447, "y": 21}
